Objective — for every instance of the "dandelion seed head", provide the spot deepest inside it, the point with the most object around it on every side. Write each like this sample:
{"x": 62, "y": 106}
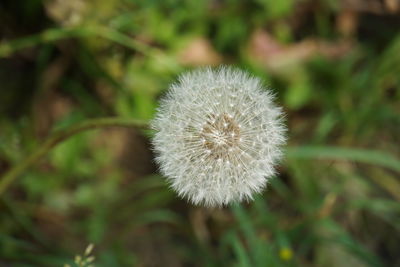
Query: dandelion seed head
{"x": 218, "y": 136}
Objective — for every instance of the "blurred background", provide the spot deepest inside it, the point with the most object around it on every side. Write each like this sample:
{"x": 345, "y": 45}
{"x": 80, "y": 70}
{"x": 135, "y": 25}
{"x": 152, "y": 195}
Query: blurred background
{"x": 334, "y": 66}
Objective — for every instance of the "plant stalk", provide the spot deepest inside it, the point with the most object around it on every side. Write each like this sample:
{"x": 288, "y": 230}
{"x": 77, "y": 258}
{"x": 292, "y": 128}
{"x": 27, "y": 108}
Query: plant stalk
{"x": 59, "y": 136}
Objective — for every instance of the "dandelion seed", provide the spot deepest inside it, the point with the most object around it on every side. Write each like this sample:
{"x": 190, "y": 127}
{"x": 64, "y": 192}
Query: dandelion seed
{"x": 233, "y": 154}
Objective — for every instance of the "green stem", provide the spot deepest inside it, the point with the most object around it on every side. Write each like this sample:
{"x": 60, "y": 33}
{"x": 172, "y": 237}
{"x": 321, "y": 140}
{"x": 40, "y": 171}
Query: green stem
{"x": 59, "y": 137}
{"x": 55, "y": 34}
{"x": 52, "y": 35}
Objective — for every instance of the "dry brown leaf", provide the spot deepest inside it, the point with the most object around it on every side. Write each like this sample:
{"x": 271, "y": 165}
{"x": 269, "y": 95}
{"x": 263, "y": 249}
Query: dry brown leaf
{"x": 264, "y": 49}
{"x": 347, "y": 22}
{"x": 372, "y": 6}
{"x": 199, "y": 52}
{"x": 393, "y": 6}
{"x": 67, "y": 13}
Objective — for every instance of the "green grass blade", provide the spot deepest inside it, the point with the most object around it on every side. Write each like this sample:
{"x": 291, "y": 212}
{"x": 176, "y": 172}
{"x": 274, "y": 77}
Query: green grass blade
{"x": 340, "y": 153}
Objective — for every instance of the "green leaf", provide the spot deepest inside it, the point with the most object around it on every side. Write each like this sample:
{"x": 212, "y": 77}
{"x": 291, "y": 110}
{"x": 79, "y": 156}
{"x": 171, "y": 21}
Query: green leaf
{"x": 341, "y": 153}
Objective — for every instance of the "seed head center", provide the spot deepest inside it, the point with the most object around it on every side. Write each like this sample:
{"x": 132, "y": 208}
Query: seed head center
{"x": 220, "y": 134}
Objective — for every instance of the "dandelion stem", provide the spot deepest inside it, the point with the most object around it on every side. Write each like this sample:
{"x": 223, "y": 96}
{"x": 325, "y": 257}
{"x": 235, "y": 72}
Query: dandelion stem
{"x": 60, "y": 136}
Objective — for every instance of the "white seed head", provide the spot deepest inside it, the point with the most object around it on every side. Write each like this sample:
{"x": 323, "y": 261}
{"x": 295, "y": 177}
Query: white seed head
{"x": 218, "y": 136}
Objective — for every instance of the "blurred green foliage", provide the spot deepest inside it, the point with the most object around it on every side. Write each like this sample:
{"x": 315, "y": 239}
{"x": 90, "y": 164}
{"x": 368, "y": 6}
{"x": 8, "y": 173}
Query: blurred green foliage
{"x": 335, "y": 68}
